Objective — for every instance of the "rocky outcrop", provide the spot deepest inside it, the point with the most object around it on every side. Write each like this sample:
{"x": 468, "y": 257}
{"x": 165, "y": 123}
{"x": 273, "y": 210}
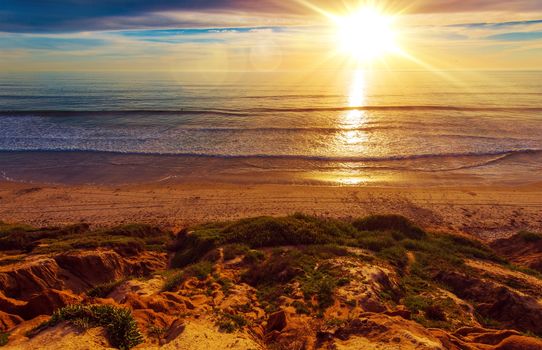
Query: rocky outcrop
{"x": 496, "y": 301}
{"x": 23, "y": 280}
{"x": 523, "y": 249}
{"x": 75, "y": 271}
{"x": 381, "y": 330}
{"x": 47, "y": 302}
{"x": 8, "y": 321}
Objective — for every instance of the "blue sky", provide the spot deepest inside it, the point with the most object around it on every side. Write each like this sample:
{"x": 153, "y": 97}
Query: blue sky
{"x": 255, "y": 35}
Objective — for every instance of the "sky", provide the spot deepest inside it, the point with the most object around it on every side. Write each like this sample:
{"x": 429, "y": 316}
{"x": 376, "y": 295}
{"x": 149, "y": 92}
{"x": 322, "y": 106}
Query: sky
{"x": 261, "y": 36}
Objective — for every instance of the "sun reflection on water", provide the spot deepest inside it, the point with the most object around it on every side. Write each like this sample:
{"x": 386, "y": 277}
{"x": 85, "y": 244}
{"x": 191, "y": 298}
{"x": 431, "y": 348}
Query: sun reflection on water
{"x": 351, "y": 138}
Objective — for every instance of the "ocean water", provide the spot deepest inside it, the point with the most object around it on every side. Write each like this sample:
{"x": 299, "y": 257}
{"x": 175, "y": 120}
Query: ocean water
{"x": 342, "y": 128}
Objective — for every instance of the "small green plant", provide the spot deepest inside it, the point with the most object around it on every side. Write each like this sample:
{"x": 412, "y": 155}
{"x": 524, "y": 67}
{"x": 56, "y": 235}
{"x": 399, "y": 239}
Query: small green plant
{"x": 199, "y": 270}
{"x": 530, "y": 236}
{"x": 320, "y": 284}
{"x": 300, "y": 307}
{"x": 434, "y": 312}
{"x": 156, "y": 332}
{"x": 229, "y": 323}
{"x": 121, "y": 327}
{"x": 103, "y": 290}
{"x": 390, "y": 223}
{"x": 4, "y": 338}
{"x": 225, "y": 283}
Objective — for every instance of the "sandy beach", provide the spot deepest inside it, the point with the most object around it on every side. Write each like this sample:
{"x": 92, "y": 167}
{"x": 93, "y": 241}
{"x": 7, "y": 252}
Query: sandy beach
{"x": 486, "y": 212}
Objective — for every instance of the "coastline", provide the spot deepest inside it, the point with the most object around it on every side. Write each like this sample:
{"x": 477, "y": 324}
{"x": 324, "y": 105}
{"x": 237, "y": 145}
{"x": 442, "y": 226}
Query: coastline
{"x": 489, "y": 212}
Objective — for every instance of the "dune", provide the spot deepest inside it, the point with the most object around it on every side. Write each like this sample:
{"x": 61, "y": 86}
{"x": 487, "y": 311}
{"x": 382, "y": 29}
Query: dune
{"x": 291, "y": 282}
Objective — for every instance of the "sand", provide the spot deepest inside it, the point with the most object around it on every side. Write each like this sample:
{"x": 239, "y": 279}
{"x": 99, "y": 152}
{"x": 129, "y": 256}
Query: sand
{"x": 488, "y": 212}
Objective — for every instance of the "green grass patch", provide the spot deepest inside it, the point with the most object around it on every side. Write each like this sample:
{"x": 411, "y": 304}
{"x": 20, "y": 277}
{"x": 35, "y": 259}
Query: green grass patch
{"x": 122, "y": 330}
{"x": 530, "y": 236}
{"x": 103, "y": 290}
{"x": 200, "y": 270}
{"x": 4, "y": 338}
{"x": 389, "y": 223}
{"x": 229, "y": 323}
{"x": 126, "y": 239}
{"x": 261, "y": 232}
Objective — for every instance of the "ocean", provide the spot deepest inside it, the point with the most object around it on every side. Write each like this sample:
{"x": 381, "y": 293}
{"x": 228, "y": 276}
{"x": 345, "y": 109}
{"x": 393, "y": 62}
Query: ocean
{"x": 355, "y": 128}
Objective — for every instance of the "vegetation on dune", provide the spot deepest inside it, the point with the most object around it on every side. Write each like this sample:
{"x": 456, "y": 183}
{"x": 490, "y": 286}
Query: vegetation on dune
{"x": 260, "y": 232}
{"x": 229, "y": 323}
{"x": 119, "y": 323}
{"x": 199, "y": 270}
{"x": 279, "y": 253}
{"x": 530, "y": 236}
{"x": 299, "y": 257}
{"x": 127, "y": 238}
{"x": 104, "y": 289}
{"x": 395, "y": 223}
{"x": 4, "y": 338}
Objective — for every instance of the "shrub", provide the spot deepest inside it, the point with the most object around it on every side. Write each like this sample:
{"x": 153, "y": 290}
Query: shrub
{"x": 281, "y": 267}
{"x": 396, "y": 255}
{"x": 389, "y": 223}
{"x": 229, "y": 323}
{"x": 121, "y": 327}
{"x": 103, "y": 290}
{"x": 199, "y": 270}
{"x": 127, "y": 239}
{"x": 434, "y": 312}
{"x": 231, "y": 251}
{"x": 259, "y": 232}
{"x": 134, "y": 230}
{"x": 530, "y": 236}
{"x": 416, "y": 303}
{"x": 22, "y": 237}
{"x": 300, "y": 307}
{"x": 376, "y": 243}
{"x": 4, "y": 338}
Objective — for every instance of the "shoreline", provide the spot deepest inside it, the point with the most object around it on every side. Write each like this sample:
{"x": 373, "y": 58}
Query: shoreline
{"x": 489, "y": 212}
{"x": 120, "y": 169}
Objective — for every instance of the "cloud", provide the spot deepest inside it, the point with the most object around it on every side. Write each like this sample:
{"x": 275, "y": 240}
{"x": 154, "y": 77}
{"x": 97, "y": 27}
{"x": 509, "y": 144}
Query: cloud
{"x": 49, "y": 43}
{"x": 91, "y": 15}
{"x": 497, "y": 25}
{"x": 517, "y": 36}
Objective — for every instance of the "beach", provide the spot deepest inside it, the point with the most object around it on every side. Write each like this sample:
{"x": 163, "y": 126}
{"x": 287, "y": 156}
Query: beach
{"x": 485, "y": 212}
{"x": 176, "y": 149}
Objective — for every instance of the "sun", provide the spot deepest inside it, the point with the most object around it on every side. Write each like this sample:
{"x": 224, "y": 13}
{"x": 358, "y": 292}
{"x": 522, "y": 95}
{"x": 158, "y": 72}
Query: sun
{"x": 366, "y": 34}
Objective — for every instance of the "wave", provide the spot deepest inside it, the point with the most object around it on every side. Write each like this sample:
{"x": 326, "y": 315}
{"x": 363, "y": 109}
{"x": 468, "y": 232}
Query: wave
{"x": 499, "y": 154}
{"x": 250, "y": 111}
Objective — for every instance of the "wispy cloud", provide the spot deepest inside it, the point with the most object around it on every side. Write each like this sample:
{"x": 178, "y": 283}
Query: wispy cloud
{"x": 517, "y": 36}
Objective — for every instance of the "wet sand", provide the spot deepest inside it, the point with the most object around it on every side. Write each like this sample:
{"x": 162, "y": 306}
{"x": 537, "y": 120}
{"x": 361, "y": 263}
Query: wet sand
{"x": 488, "y": 212}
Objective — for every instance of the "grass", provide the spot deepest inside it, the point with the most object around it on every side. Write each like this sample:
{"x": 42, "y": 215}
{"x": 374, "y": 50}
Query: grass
{"x": 26, "y": 238}
{"x": 122, "y": 330}
{"x": 395, "y": 223}
{"x": 126, "y": 239}
{"x": 389, "y": 237}
{"x": 200, "y": 270}
{"x": 530, "y": 236}
{"x": 103, "y": 290}
{"x": 305, "y": 265}
{"x": 260, "y": 232}
{"x": 4, "y": 338}
{"x": 278, "y": 255}
{"x": 229, "y": 323}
